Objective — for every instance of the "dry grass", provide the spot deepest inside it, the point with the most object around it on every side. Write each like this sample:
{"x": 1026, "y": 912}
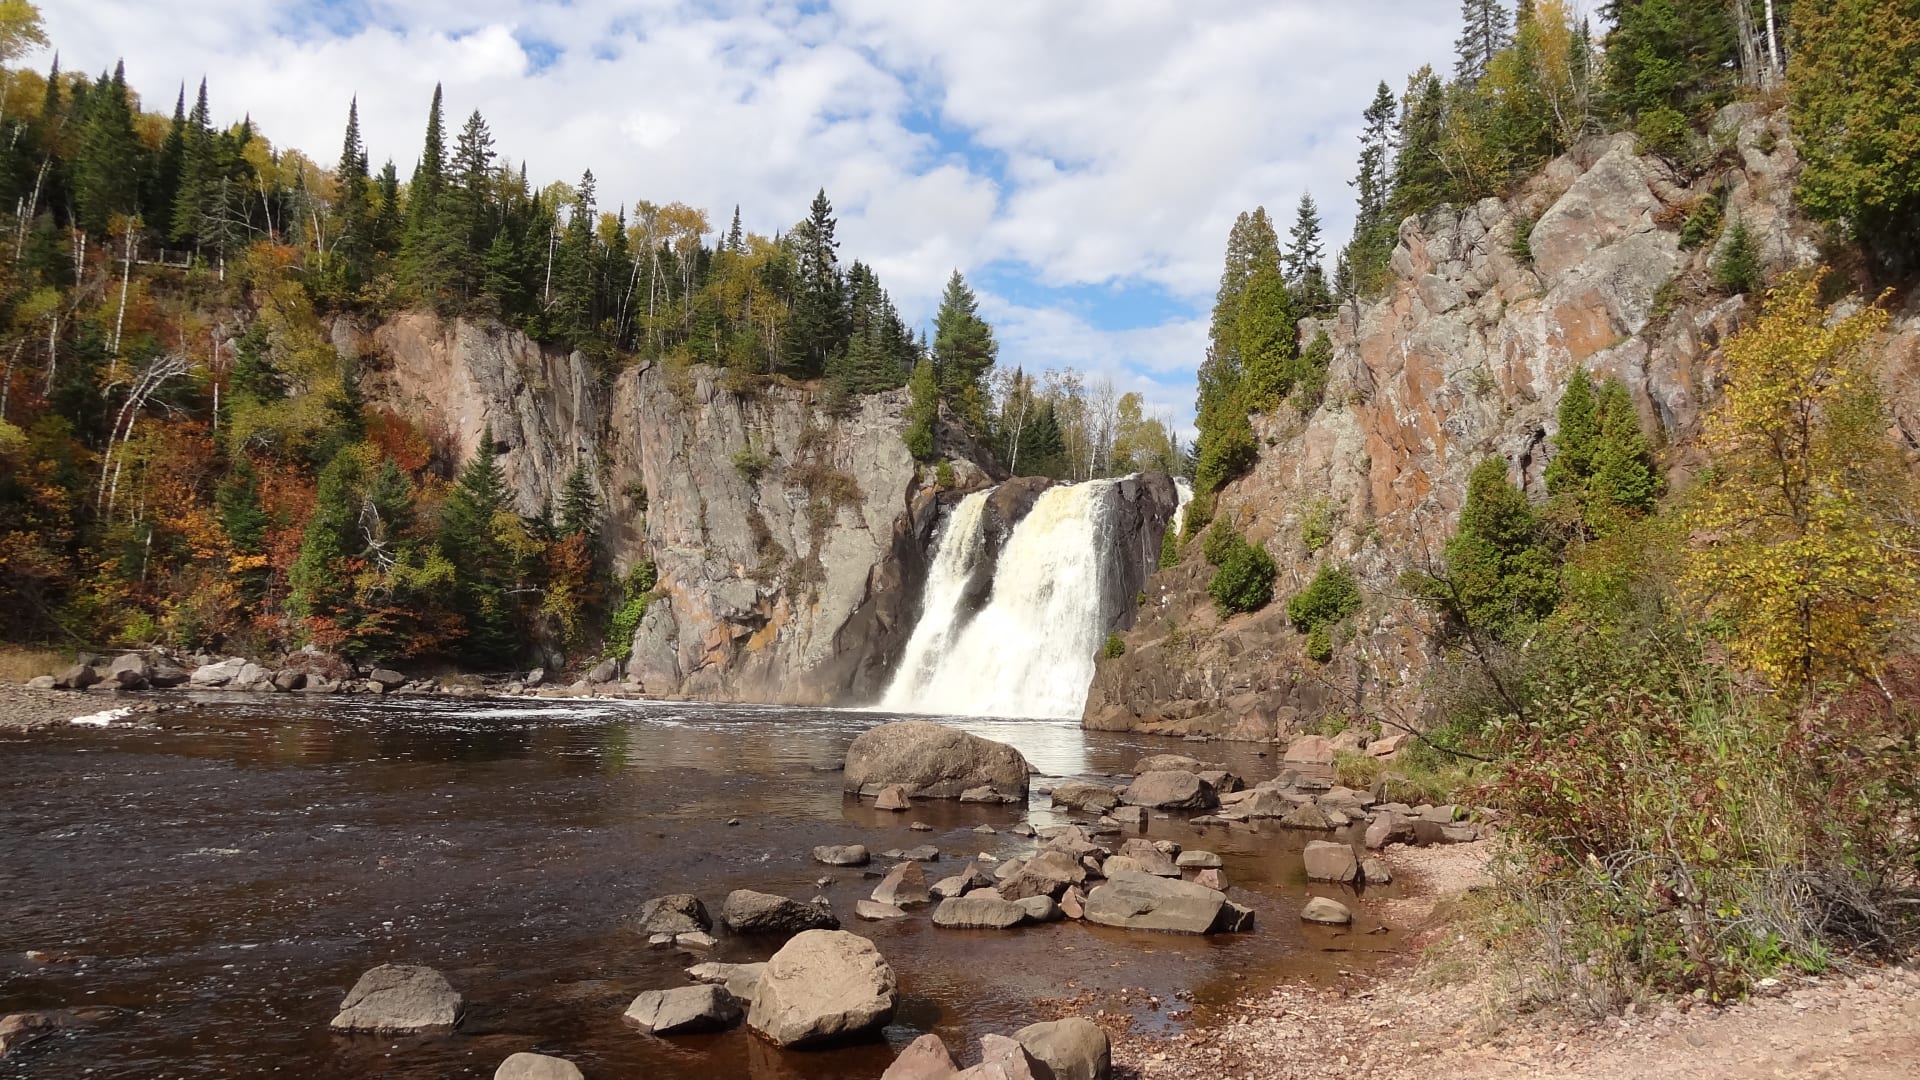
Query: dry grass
{"x": 18, "y": 663}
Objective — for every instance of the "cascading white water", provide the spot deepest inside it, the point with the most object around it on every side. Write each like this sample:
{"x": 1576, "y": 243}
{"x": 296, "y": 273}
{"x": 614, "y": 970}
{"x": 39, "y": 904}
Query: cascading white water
{"x": 1184, "y": 488}
{"x": 1030, "y": 651}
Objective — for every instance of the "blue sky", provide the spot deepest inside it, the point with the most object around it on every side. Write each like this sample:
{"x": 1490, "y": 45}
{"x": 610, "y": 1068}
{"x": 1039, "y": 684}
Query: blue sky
{"x": 1079, "y": 160}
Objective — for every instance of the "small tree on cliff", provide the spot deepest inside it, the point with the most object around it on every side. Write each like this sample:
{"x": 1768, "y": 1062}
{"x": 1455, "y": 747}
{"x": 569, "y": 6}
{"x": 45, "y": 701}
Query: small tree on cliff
{"x": 471, "y": 535}
{"x": 1500, "y": 575}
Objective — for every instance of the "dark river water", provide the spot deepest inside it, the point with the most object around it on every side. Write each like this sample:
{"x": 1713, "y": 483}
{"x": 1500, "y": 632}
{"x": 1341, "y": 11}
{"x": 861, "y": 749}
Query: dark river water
{"x": 224, "y": 872}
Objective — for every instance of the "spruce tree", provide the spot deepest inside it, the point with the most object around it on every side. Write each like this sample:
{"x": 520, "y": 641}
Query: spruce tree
{"x": 580, "y": 507}
{"x": 470, "y": 541}
{"x": 467, "y": 231}
{"x": 1574, "y": 444}
{"x": 1484, "y": 32}
{"x": 574, "y": 312}
{"x": 386, "y": 220}
{"x": 1365, "y": 260}
{"x": 963, "y": 345}
{"x": 109, "y": 162}
{"x": 736, "y": 240}
{"x": 1420, "y": 177}
{"x": 1266, "y": 336}
{"x": 923, "y": 411}
{"x": 818, "y": 325}
{"x": 1676, "y": 57}
{"x": 1501, "y": 576}
{"x": 1624, "y": 473}
{"x": 166, "y": 171}
{"x": 352, "y": 211}
{"x": 198, "y": 172}
{"x": 1305, "y": 261}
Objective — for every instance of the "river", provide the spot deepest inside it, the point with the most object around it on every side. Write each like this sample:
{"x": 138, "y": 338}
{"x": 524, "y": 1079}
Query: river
{"x": 225, "y": 870}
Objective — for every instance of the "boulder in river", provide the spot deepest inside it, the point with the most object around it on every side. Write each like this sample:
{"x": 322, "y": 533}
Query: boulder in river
{"x": 904, "y": 886}
{"x": 130, "y": 671}
{"x": 749, "y": 912}
{"x": 824, "y": 986}
{"x": 1330, "y": 861}
{"x": 398, "y": 999}
{"x": 932, "y": 761}
{"x": 875, "y": 911}
{"x": 1048, "y": 873}
{"x": 684, "y": 1010}
{"x": 1135, "y": 901}
{"x": 386, "y": 679}
{"x": 1002, "y": 1058}
{"x": 1080, "y": 795}
{"x": 1327, "y": 912}
{"x": 1170, "y": 789}
{"x": 1147, "y": 857}
{"x": 1198, "y": 860}
{"x": 1374, "y": 871}
{"x": 1039, "y": 909}
{"x": 985, "y": 911}
{"x": 1073, "y": 1049}
{"x": 1164, "y": 762}
{"x": 895, "y": 797}
{"x": 526, "y": 1066}
{"x": 77, "y": 677}
{"x": 925, "y": 1058}
{"x": 741, "y": 980}
{"x": 215, "y": 676}
{"x": 676, "y": 913}
{"x": 841, "y": 854}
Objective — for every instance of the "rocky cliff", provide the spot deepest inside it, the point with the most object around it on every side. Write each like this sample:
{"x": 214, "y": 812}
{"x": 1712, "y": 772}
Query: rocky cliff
{"x": 1491, "y": 309}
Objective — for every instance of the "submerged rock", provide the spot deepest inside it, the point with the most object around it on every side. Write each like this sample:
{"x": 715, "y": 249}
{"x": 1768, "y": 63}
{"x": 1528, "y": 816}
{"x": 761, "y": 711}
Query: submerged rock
{"x": 398, "y": 999}
{"x": 684, "y": 1010}
{"x": 1170, "y": 789}
{"x": 741, "y": 980}
{"x": 841, "y": 854}
{"x": 1329, "y": 861}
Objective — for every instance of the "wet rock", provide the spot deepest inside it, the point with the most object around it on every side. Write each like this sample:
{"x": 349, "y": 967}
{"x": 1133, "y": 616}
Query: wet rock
{"x": 842, "y": 855}
{"x": 1048, "y": 873}
{"x": 822, "y": 987}
{"x": 1212, "y": 879}
{"x": 1135, "y": 901}
{"x": 932, "y": 761}
{"x": 925, "y": 1058}
{"x": 923, "y": 853}
{"x": 1072, "y": 1049}
{"x": 1326, "y": 912}
{"x": 1001, "y": 1058}
{"x": 1022, "y": 829}
{"x": 526, "y": 1066}
{"x": 875, "y": 911}
{"x": 1221, "y": 780}
{"x": 603, "y": 672}
{"x": 892, "y": 797}
{"x": 975, "y": 876}
{"x": 741, "y": 980}
{"x": 1039, "y": 909}
{"x": 904, "y": 886}
{"x": 697, "y": 940}
{"x": 77, "y": 677}
{"x": 985, "y": 830}
{"x": 749, "y": 912}
{"x": 678, "y": 913}
{"x": 164, "y": 674}
{"x": 1133, "y": 817}
{"x": 1146, "y": 857}
{"x": 1329, "y": 861}
{"x": 535, "y": 677}
{"x": 920, "y": 826}
{"x": 1163, "y": 762}
{"x": 1389, "y": 828}
{"x": 19, "y": 1029}
{"x": 1198, "y": 860}
{"x": 396, "y": 999}
{"x": 1306, "y": 816}
{"x": 659, "y": 941}
{"x": 130, "y": 671}
{"x": 1234, "y": 919}
{"x": 387, "y": 679}
{"x": 318, "y": 685}
{"x": 1170, "y": 789}
{"x": 987, "y": 794}
{"x": 1375, "y": 872}
{"x": 986, "y": 911}
{"x": 1080, "y": 795}
{"x": 1073, "y": 903}
{"x": 684, "y": 1010}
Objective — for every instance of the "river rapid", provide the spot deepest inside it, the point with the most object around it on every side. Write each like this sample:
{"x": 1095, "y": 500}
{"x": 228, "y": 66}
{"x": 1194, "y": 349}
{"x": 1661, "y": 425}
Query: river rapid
{"x": 223, "y": 872}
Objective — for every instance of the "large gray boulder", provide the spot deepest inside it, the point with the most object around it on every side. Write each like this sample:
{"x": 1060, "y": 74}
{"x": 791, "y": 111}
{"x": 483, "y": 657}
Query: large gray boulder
{"x": 1136, "y": 901}
{"x": 1170, "y": 789}
{"x": 925, "y": 1058}
{"x": 215, "y": 676}
{"x": 741, "y": 980}
{"x": 1074, "y": 1049}
{"x": 932, "y": 761}
{"x": 841, "y": 854}
{"x": 1080, "y": 795}
{"x": 1048, "y": 873}
{"x": 1330, "y": 861}
{"x": 130, "y": 671}
{"x": 1002, "y": 1058}
{"x": 684, "y": 1010}
{"x": 749, "y": 912}
{"x": 525, "y": 1066}
{"x": 904, "y": 886}
{"x": 1325, "y": 911}
{"x": 824, "y": 986}
{"x": 77, "y": 677}
{"x": 398, "y": 999}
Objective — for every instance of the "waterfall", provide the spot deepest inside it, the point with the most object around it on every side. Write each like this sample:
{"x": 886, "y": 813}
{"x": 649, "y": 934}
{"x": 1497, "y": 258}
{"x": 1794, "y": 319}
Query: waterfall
{"x": 1030, "y": 651}
{"x": 1185, "y": 487}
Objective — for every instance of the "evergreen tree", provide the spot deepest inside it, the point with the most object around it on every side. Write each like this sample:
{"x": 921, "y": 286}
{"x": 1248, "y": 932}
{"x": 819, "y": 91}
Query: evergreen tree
{"x": 427, "y": 248}
{"x": 1266, "y": 337}
{"x": 1484, "y": 32}
{"x": 1420, "y": 177}
{"x": 817, "y": 327}
{"x": 1854, "y": 100}
{"x": 1624, "y": 474}
{"x": 1737, "y": 270}
{"x": 574, "y": 314}
{"x": 1304, "y": 260}
{"x": 467, "y": 232}
{"x": 387, "y": 223}
{"x": 1500, "y": 573}
{"x": 923, "y": 411}
{"x": 198, "y": 172}
{"x": 1676, "y": 57}
{"x": 166, "y": 171}
{"x": 1365, "y": 260}
{"x": 1574, "y": 444}
{"x": 736, "y": 240}
{"x": 580, "y": 507}
{"x": 470, "y": 540}
{"x": 352, "y": 211}
{"x": 963, "y": 345}
{"x": 109, "y": 162}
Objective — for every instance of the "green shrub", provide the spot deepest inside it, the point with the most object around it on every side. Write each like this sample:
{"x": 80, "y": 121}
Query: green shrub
{"x": 1114, "y": 648}
{"x": 750, "y": 464}
{"x": 1738, "y": 268}
{"x": 1521, "y": 247}
{"x": 1665, "y": 132}
{"x": 1704, "y": 223}
{"x": 1199, "y": 515}
{"x": 1332, "y": 596}
{"x": 943, "y": 474}
{"x": 1316, "y": 531}
{"x": 1320, "y": 644}
{"x": 1243, "y": 580}
{"x": 1221, "y": 542}
{"x": 1169, "y": 548}
{"x": 623, "y": 625}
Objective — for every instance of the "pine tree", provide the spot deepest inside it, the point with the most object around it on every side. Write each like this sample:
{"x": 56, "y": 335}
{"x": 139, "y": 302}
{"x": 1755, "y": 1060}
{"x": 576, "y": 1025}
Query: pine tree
{"x": 1624, "y": 474}
{"x": 352, "y": 211}
{"x": 580, "y": 507}
{"x": 1676, "y": 57}
{"x": 1500, "y": 573}
{"x": 1266, "y": 336}
{"x": 574, "y": 313}
{"x": 1420, "y": 177}
{"x": 108, "y": 164}
{"x": 1305, "y": 261}
{"x": 1737, "y": 270}
{"x": 1365, "y": 260}
{"x": 198, "y": 179}
{"x": 470, "y": 541}
{"x": 166, "y": 171}
{"x": 1224, "y": 446}
{"x": 468, "y": 230}
{"x": 386, "y": 220}
{"x": 817, "y": 327}
{"x": 963, "y": 345}
{"x": 1575, "y": 443}
{"x": 736, "y": 240}
{"x": 923, "y": 411}
{"x": 426, "y": 248}
{"x": 1484, "y": 32}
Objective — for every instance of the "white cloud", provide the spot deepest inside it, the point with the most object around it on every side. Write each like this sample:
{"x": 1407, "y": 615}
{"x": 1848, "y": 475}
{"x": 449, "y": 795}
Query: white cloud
{"x": 1106, "y": 141}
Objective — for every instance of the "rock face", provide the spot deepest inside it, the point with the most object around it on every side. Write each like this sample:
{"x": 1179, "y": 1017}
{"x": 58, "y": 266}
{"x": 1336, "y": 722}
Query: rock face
{"x": 1074, "y": 1048}
{"x": 822, "y": 987}
{"x": 1135, "y": 901}
{"x": 749, "y": 912}
{"x": 398, "y": 999}
{"x": 932, "y": 761}
{"x": 684, "y": 1010}
{"x": 1465, "y": 356}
